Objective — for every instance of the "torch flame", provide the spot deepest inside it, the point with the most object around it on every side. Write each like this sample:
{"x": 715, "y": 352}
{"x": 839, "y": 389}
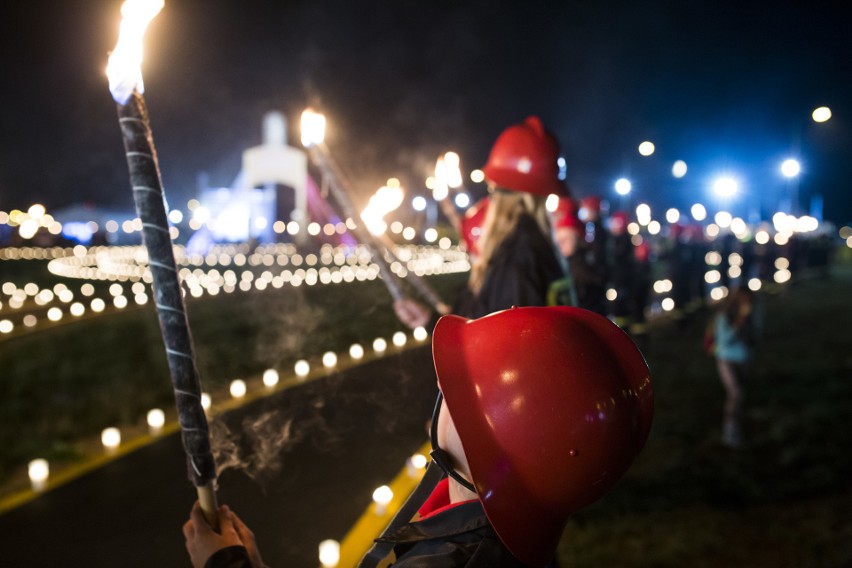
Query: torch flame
{"x": 124, "y": 68}
{"x": 381, "y": 203}
{"x": 313, "y": 128}
{"x": 442, "y": 188}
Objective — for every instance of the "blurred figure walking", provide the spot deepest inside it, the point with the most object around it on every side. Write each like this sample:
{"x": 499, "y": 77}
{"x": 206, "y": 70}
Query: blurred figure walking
{"x": 734, "y": 336}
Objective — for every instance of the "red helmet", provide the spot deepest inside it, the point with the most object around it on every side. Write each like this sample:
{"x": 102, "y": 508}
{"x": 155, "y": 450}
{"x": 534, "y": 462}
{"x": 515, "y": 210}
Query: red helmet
{"x": 565, "y": 215}
{"x": 524, "y": 158}
{"x": 471, "y": 225}
{"x": 592, "y": 203}
{"x": 642, "y": 252}
{"x": 618, "y": 220}
{"x": 551, "y": 405}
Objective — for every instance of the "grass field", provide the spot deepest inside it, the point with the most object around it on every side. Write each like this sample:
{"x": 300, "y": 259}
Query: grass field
{"x": 785, "y": 497}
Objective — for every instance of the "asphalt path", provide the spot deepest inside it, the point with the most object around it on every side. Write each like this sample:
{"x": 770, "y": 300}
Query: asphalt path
{"x": 340, "y": 437}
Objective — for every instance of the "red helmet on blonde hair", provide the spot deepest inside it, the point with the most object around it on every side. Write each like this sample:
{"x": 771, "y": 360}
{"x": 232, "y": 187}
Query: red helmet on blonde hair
{"x": 551, "y": 406}
{"x": 524, "y": 158}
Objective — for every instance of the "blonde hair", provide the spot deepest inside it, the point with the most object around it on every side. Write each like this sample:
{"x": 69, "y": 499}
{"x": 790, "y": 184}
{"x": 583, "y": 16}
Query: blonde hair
{"x": 501, "y": 218}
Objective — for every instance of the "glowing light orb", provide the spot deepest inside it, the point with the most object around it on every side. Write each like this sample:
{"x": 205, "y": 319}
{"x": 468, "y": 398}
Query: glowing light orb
{"x": 329, "y": 359}
{"x": 623, "y": 186}
{"x": 420, "y": 333}
{"x": 111, "y": 438}
{"x": 329, "y": 553}
{"x": 356, "y": 351}
{"x": 725, "y": 187}
{"x": 156, "y": 419}
{"x": 382, "y": 496}
{"x": 821, "y": 114}
{"x": 790, "y": 168}
{"x": 698, "y": 212}
{"x": 238, "y": 388}
{"x": 399, "y": 339}
{"x": 646, "y": 148}
{"x": 302, "y": 368}
{"x": 38, "y": 471}
{"x": 270, "y": 378}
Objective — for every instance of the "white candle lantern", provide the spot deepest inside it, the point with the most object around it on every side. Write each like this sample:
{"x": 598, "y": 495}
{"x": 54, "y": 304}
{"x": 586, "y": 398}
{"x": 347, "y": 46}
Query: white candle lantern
{"x": 382, "y": 496}
{"x": 329, "y": 553}
{"x": 238, "y": 388}
{"x": 329, "y": 360}
{"x": 156, "y": 419}
{"x": 356, "y": 351}
{"x": 270, "y": 378}
{"x": 302, "y": 368}
{"x": 111, "y": 439}
{"x": 39, "y": 471}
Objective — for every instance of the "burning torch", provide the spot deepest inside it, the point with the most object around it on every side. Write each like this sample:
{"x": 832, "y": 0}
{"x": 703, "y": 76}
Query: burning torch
{"x": 125, "y": 84}
{"x": 313, "y": 136}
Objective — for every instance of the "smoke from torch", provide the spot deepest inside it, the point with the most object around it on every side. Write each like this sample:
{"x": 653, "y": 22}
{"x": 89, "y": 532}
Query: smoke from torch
{"x": 125, "y": 79}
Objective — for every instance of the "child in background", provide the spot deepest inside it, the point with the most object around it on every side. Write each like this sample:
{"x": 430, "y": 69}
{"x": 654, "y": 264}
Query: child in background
{"x": 734, "y": 333}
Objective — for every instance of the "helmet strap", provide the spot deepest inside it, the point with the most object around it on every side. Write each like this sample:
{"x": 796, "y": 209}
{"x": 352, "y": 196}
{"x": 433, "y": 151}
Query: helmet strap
{"x": 440, "y": 456}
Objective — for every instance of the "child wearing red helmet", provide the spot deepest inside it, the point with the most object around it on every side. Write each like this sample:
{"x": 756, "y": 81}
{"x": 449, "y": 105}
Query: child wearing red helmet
{"x": 541, "y": 410}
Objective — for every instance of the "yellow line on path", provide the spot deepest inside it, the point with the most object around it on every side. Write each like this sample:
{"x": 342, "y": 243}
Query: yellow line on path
{"x": 372, "y": 522}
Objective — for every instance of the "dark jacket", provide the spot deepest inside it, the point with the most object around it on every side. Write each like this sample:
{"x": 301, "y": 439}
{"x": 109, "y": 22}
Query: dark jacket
{"x": 519, "y": 274}
{"x": 445, "y": 536}
{"x": 449, "y": 536}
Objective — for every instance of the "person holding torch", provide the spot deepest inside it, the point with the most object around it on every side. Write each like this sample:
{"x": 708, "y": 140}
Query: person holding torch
{"x": 515, "y": 261}
{"x": 514, "y": 467}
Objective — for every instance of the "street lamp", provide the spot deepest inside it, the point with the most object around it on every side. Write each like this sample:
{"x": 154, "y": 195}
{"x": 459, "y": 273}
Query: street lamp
{"x": 646, "y": 148}
{"x": 790, "y": 168}
{"x": 725, "y": 187}
{"x": 623, "y": 188}
{"x": 821, "y": 114}
{"x": 679, "y": 169}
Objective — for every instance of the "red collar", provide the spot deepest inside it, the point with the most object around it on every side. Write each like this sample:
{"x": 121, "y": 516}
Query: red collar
{"x": 439, "y": 500}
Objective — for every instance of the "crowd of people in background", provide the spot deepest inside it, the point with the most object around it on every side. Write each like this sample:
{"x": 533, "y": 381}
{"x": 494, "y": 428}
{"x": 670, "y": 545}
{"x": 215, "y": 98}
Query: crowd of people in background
{"x": 620, "y": 270}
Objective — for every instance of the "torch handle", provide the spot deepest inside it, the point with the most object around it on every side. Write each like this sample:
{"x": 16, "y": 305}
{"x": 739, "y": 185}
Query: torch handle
{"x": 419, "y": 283}
{"x": 335, "y": 178}
{"x": 209, "y": 505}
{"x": 149, "y": 199}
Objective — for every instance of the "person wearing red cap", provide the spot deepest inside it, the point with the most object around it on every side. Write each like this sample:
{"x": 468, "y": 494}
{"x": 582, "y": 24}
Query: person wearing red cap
{"x": 516, "y": 261}
{"x": 513, "y": 470}
{"x": 585, "y": 278}
{"x": 622, "y": 269}
{"x": 596, "y": 237}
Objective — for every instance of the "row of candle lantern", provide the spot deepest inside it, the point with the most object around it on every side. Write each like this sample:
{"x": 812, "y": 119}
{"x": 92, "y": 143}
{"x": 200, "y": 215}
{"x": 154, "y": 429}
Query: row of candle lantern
{"x": 104, "y": 263}
{"x": 329, "y": 549}
{"x": 39, "y": 469}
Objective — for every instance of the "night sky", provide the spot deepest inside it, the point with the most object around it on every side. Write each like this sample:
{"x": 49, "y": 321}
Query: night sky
{"x": 726, "y": 86}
